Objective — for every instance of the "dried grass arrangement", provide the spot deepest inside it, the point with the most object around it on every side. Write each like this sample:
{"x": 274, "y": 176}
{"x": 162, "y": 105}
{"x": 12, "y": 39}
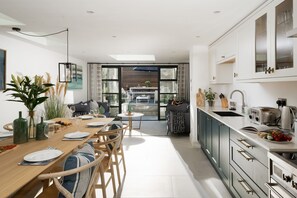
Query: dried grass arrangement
{"x": 54, "y": 106}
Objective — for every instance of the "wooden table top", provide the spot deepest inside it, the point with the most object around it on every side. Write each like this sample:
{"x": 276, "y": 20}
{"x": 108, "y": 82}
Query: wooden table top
{"x": 13, "y": 177}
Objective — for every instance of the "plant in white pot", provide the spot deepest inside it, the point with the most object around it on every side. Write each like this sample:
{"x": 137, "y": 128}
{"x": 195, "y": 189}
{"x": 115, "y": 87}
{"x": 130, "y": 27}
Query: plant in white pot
{"x": 210, "y": 97}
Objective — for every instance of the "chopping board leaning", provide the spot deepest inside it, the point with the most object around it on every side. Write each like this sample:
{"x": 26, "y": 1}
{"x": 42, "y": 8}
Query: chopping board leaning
{"x": 200, "y": 99}
{"x": 224, "y": 101}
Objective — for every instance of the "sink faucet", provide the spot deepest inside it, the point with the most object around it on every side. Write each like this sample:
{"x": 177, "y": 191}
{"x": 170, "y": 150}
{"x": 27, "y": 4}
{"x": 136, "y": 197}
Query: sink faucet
{"x": 236, "y": 90}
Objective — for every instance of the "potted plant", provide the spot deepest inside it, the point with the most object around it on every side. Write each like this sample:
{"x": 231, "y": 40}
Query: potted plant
{"x": 147, "y": 83}
{"x": 29, "y": 91}
{"x": 54, "y": 106}
{"x": 210, "y": 96}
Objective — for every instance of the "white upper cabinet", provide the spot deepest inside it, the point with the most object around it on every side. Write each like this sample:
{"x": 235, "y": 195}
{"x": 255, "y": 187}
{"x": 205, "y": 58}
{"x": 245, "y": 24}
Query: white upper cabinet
{"x": 222, "y": 57}
{"x": 274, "y": 52}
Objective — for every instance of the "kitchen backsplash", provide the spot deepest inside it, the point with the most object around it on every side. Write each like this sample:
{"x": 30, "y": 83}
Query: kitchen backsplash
{"x": 260, "y": 94}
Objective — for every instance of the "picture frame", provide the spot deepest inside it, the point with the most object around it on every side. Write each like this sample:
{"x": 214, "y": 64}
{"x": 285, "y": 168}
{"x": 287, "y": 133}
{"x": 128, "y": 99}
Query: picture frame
{"x": 76, "y": 78}
{"x": 2, "y": 69}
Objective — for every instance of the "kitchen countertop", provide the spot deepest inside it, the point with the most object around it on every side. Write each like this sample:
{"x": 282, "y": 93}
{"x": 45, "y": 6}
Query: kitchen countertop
{"x": 236, "y": 123}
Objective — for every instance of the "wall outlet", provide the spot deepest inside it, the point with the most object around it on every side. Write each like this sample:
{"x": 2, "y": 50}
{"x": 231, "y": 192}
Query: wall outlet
{"x": 281, "y": 102}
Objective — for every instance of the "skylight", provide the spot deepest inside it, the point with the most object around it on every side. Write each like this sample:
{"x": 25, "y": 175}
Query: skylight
{"x": 133, "y": 57}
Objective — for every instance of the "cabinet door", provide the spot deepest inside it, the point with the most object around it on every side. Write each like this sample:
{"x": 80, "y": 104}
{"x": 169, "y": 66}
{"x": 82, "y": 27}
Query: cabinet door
{"x": 208, "y": 132}
{"x": 201, "y": 116}
{"x": 215, "y": 141}
{"x": 224, "y": 152}
{"x": 245, "y": 55}
{"x": 212, "y": 64}
{"x": 227, "y": 47}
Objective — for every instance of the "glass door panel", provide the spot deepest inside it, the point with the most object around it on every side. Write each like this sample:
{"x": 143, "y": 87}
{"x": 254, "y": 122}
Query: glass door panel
{"x": 261, "y": 43}
{"x": 168, "y": 87}
{"x": 168, "y": 73}
{"x": 110, "y": 88}
{"x": 283, "y": 45}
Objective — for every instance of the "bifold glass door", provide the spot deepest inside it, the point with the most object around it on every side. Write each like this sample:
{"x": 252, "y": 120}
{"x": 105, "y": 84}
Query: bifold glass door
{"x": 168, "y": 88}
{"x": 111, "y": 88}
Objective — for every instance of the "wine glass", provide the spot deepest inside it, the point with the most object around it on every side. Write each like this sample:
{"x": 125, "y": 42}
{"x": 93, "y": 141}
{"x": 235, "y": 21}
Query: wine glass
{"x": 77, "y": 121}
{"x": 49, "y": 130}
{"x": 72, "y": 109}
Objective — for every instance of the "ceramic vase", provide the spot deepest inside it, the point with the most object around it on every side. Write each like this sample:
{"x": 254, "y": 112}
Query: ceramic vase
{"x": 40, "y": 130}
{"x": 20, "y": 130}
{"x": 31, "y": 125}
{"x": 210, "y": 103}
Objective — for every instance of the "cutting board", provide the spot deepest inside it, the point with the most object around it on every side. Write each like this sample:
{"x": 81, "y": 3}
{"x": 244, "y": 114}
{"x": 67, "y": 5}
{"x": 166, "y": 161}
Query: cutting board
{"x": 224, "y": 102}
{"x": 200, "y": 98}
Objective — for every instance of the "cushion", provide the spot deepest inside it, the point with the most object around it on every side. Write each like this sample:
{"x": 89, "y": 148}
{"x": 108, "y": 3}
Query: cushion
{"x": 78, "y": 183}
{"x": 101, "y": 110}
{"x": 93, "y": 105}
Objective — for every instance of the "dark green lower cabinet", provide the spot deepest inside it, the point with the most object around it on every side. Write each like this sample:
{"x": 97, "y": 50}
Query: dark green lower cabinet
{"x": 224, "y": 152}
{"x": 215, "y": 141}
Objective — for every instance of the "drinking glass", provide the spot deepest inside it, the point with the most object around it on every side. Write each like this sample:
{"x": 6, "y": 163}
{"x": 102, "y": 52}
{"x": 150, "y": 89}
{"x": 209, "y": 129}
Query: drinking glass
{"x": 77, "y": 122}
{"x": 49, "y": 130}
{"x": 72, "y": 109}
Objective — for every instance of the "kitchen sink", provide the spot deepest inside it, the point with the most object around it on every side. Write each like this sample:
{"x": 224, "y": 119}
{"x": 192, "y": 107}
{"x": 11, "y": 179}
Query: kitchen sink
{"x": 227, "y": 113}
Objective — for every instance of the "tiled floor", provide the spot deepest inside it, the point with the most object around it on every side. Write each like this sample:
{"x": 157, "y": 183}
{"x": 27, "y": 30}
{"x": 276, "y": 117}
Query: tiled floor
{"x": 166, "y": 166}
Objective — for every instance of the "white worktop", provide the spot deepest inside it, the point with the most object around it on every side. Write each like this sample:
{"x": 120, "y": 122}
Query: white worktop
{"x": 236, "y": 123}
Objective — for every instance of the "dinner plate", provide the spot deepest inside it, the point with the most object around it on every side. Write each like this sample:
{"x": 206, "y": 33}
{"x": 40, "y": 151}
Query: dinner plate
{"x": 96, "y": 124}
{"x": 278, "y": 142}
{"x": 6, "y": 134}
{"x": 77, "y": 134}
{"x": 86, "y": 117}
{"x": 43, "y": 155}
{"x": 49, "y": 121}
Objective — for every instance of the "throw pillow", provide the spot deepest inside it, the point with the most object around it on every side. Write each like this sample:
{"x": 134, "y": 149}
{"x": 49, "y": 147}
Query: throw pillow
{"x": 78, "y": 183}
{"x": 101, "y": 110}
{"x": 93, "y": 105}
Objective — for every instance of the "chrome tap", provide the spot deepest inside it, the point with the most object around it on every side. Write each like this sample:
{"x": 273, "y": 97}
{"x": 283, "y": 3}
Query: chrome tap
{"x": 243, "y": 104}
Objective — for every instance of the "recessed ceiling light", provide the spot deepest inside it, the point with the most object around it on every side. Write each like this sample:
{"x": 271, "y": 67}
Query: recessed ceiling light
{"x": 217, "y": 12}
{"x": 90, "y": 12}
{"x": 133, "y": 57}
{"x": 114, "y": 36}
{"x": 197, "y": 36}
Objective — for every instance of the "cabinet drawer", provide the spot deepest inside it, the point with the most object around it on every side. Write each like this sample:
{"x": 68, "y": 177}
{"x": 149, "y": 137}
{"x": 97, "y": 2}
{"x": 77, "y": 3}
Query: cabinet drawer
{"x": 258, "y": 152}
{"x": 242, "y": 186}
{"x": 249, "y": 164}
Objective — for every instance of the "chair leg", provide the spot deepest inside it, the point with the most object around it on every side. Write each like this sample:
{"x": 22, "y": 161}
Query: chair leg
{"x": 123, "y": 158}
{"x": 118, "y": 168}
{"x": 113, "y": 180}
{"x": 103, "y": 186}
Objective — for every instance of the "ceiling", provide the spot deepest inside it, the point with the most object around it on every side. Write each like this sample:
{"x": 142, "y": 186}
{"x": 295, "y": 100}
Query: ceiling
{"x": 167, "y": 28}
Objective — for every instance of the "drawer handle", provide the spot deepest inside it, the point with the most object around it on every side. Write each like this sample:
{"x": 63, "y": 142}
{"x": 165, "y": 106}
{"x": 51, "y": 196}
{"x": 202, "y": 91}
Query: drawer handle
{"x": 270, "y": 187}
{"x": 246, "y": 156}
{"x": 245, "y": 143}
{"x": 245, "y": 186}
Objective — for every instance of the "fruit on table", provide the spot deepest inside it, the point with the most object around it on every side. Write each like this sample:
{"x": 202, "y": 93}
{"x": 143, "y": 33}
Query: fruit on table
{"x": 275, "y": 135}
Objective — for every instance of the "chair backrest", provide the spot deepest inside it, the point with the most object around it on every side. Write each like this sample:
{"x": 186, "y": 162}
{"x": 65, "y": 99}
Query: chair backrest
{"x": 94, "y": 165}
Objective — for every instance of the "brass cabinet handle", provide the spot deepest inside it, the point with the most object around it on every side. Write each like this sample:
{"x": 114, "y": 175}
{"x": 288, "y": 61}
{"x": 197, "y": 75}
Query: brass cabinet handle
{"x": 246, "y": 156}
{"x": 242, "y": 141}
{"x": 245, "y": 186}
{"x": 269, "y": 70}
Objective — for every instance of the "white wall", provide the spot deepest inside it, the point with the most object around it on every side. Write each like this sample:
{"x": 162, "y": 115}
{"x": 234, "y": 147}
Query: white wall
{"x": 198, "y": 79}
{"x": 256, "y": 94}
{"x": 28, "y": 59}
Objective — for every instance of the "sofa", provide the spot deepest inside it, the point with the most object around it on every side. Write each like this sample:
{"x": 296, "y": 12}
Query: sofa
{"x": 83, "y": 108}
{"x": 178, "y": 117}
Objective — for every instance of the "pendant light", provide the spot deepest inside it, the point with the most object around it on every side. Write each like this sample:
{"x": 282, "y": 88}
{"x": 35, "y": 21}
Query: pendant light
{"x": 65, "y": 69}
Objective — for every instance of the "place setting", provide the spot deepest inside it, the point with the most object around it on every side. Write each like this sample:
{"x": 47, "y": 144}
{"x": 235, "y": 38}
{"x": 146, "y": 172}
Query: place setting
{"x": 96, "y": 124}
{"x": 41, "y": 158}
{"x": 75, "y": 136}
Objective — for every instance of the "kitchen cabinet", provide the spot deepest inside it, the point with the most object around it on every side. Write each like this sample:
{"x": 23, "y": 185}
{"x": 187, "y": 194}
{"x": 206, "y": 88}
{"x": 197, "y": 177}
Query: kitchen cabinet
{"x": 274, "y": 52}
{"x": 222, "y": 58}
{"x": 214, "y": 140}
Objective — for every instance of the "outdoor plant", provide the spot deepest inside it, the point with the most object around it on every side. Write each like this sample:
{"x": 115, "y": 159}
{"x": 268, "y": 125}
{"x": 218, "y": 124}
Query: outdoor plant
{"x": 209, "y": 95}
{"x": 147, "y": 83}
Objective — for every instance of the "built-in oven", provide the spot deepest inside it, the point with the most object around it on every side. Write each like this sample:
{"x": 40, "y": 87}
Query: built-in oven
{"x": 283, "y": 175}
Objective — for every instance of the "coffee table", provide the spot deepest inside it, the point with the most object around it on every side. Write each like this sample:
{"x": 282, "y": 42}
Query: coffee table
{"x": 130, "y": 117}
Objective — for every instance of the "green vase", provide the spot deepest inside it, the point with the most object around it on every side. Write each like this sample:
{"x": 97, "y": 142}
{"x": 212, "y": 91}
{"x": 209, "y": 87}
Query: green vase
{"x": 31, "y": 125}
{"x": 20, "y": 130}
{"x": 40, "y": 128}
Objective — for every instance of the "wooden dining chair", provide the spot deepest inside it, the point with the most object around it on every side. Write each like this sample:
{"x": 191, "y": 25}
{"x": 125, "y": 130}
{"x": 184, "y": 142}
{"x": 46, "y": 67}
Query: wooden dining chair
{"x": 118, "y": 129}
{"x": 59, "y": 185}
{"x": 107, "y": 142}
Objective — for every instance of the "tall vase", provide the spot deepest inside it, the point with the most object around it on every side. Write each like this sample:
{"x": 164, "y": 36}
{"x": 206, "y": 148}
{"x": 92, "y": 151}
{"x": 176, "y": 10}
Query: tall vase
{"x": 31, "y": 126}
{"x": 40, "y": 130}
{"x": 20, "y": 130}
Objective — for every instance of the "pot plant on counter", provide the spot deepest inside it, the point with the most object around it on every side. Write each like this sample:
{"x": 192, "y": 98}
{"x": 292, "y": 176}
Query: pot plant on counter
{"x": 29, "y": 91}
{"x": 210, "y": 96}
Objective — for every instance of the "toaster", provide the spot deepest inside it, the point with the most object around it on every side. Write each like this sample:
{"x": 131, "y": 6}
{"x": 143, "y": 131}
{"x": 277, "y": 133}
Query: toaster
{"x": 265, "y": 115}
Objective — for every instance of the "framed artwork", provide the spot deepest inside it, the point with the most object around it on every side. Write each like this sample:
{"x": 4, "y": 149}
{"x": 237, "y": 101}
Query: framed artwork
{"x": 2, "y": 69}
{"x": 77, "y": 78}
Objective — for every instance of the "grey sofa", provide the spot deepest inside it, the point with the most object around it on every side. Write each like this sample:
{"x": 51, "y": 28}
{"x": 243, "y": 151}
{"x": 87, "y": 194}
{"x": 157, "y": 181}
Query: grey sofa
{"x": 178, "y": 118}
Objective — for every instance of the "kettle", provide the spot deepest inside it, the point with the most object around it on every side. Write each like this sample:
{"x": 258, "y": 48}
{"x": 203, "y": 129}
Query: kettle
{"x": 287, "y": 117}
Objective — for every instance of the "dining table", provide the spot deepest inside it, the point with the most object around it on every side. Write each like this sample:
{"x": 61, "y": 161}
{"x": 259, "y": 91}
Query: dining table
{"x": 14, "y": 177}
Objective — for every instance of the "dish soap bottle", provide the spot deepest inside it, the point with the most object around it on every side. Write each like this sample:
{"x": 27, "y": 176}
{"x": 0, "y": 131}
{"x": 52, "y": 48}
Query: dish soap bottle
{"x": 20, "y": 130}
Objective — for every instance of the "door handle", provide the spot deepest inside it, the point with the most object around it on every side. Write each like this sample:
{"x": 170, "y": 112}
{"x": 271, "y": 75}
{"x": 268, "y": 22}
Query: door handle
{"x": 246, "y": 156}
{"x": 247, "y": 189}
{"x": 242, "y": 141}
